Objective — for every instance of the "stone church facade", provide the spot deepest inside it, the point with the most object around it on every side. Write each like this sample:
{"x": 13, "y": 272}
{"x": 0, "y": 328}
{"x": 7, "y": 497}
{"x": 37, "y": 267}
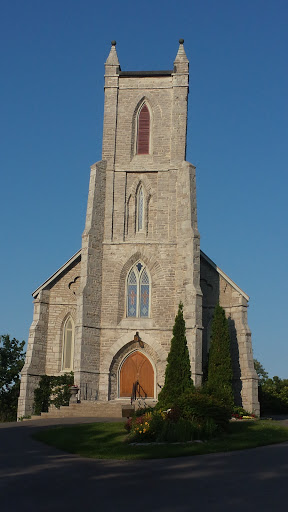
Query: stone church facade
{"x": 108, "y": 313}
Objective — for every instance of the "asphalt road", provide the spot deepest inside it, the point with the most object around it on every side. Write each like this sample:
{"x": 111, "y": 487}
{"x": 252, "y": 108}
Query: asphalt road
{"x": 36, "y": 477}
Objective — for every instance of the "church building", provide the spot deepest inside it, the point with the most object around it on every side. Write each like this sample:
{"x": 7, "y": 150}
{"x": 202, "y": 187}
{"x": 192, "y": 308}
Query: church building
{"x": 108, "y": 313}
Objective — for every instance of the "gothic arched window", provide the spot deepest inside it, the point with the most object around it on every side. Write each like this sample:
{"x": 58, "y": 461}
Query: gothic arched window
{"x": 68, "y": 345}
{"x": 143, "y": 131}
{"x": 140, "y": 209}
{"x": 138, "y": 291}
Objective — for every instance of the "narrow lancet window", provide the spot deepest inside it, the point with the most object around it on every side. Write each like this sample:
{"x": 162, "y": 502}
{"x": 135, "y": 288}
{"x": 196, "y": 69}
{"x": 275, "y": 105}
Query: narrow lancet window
{"x": 68, "y": 346}
{"x": 144, "y": 294}
{"x": 140, "y": 209}
{"x": 143, "y": 134}
{"x": 132, "y": 294}
{"x": 138, "y": 292}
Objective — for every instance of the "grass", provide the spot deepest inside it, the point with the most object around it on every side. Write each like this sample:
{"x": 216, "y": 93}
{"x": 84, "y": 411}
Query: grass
{"x": 109, "y": 440}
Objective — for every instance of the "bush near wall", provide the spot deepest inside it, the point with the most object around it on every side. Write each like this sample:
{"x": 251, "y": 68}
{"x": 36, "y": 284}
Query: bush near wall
{"x": 220, "y": 375}
{"x": 193, "y": 416}
{"x": 201, "y": 407}
{"x": 52, "y": 390}
{"x": 178, "y": 370}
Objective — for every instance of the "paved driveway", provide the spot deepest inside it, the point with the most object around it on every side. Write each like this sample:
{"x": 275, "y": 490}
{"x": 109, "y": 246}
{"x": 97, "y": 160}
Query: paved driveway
{"x": 35, "y": 477}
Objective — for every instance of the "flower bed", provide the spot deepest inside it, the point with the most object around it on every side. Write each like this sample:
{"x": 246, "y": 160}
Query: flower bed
{"x": 240, "y": 414}
{"x": 168, "y": 426}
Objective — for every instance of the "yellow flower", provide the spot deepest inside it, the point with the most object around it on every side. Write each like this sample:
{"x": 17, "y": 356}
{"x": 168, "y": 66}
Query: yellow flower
{"x": 144, "y": 430}
{"x": 140, "y": 431}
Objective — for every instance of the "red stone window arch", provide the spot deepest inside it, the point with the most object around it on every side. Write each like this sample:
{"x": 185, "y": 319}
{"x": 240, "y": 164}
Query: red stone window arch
{"x": 143, "y": 132}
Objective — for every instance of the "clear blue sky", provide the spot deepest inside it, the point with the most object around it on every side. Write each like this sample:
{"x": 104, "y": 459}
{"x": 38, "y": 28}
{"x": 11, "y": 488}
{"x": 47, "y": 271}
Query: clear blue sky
{"x": 51, "y": 109}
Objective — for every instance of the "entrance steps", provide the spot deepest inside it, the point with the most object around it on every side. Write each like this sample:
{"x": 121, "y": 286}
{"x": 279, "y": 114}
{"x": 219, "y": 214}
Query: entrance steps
{"x": 96, "y": 409}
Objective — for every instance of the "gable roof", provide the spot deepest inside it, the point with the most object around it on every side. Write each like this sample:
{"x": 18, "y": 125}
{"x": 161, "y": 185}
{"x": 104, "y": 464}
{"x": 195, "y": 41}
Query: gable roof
{"x": 77, "y": 256}
{"x": 58, "y": 273}
{"x": 222, "y": 274}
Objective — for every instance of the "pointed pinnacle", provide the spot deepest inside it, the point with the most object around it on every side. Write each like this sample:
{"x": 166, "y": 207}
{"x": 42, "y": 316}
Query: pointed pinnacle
{"x": 181, "y": 55}
{"x": 112, "y": 59}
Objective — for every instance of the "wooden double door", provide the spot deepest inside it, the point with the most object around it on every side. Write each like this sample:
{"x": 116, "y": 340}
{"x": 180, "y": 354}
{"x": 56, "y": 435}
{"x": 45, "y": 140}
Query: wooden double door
{"x": 137, "y": 369}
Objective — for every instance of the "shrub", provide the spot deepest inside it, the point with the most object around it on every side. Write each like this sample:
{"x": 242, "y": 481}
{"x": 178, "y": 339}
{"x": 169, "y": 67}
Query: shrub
{"x": 143, "y": 410}
{"x": 219, "y": 382}
{"x": 52, "y": 390}
{"x": 181, "y": 431}
{"x": 239, "y": 412}
{"x": 202, "y": 407}
{"x": 178, "y": 371}
{"x": 169, "y": 426}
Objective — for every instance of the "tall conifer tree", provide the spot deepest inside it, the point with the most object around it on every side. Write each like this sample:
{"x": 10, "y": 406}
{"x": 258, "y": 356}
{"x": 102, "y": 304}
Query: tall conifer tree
{"x": 219, "y": 382}
{"x": 178, "y": 370}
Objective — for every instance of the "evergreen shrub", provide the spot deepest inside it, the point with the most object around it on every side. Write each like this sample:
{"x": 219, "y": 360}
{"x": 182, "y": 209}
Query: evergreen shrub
{"x": 178, "y": 370}
{"x": 220, "y": 375}
{"x": 199, "y": 407}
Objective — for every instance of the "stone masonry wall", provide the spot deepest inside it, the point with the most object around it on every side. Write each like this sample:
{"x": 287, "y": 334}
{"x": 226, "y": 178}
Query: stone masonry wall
{"x": 44, "y": 352}
{"x": 89, "y": 302}
{"x": 62, "y": 303}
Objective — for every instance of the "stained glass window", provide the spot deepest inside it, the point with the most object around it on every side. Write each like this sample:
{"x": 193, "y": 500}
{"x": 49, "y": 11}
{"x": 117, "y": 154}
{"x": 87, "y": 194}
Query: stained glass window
{"x": 144, "y": 294}
{"x": 132, "y": 294}
{"x": 140, "y": 209}
{"x": 138, "y": 292}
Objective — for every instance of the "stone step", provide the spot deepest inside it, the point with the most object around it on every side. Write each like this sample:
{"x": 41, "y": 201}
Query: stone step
{"x": 93, "y": 409}
{"x": 87, "y": 409}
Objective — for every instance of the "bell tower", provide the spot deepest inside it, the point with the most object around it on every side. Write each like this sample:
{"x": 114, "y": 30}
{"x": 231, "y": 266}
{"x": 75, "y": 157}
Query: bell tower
{"x": 141, "y": 211}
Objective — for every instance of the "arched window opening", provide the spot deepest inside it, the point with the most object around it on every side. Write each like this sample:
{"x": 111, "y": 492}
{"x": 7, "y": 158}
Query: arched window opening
{"x": 143, "y": 132}
{"x": 68, "y": 345}
{"x": 138, "y": 292}
{"x": 140, "y": 209}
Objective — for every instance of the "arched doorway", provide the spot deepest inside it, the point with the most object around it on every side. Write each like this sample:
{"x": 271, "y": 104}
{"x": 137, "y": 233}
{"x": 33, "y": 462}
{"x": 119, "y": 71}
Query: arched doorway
{"x": 137, "y": 368}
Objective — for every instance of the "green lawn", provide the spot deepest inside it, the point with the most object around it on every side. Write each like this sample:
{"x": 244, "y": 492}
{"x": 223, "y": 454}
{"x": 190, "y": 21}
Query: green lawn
{"x": 109, "y": 440}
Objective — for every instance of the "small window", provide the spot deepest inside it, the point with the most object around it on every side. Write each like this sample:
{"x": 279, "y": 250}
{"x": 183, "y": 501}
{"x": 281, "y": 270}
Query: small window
{"x": 143, "y": 132}
{"x": 68, "y": 345}
{"x": 138, "y": 292}
{"x": 140, "y": 209}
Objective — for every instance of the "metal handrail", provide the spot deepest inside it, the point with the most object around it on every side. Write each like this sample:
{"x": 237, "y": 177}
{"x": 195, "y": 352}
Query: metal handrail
{"x": 136, "y": 389}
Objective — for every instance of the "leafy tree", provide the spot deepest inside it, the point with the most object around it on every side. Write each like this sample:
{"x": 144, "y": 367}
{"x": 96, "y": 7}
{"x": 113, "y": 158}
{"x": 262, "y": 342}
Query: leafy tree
{"x": 262, "y": 374}
{"x": 219, "y": 381}
{"x": 178, "y": 370}
{"x": 12, "y": 360}
{"x": 273, "y": 393}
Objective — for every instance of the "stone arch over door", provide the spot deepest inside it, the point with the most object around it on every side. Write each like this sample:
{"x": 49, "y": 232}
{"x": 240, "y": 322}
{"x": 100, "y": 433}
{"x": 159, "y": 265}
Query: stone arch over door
{"x": 124, "y": 347}
{"x": 136, "y": 369}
